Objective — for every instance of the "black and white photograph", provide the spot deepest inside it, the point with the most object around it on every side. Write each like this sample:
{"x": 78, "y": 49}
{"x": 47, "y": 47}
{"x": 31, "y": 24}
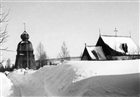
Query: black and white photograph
{"x": 69, "y": 48}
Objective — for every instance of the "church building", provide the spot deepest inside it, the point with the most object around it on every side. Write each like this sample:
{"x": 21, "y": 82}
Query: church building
{"x": 117, "y": 45}
{"x": 109, "y": 47}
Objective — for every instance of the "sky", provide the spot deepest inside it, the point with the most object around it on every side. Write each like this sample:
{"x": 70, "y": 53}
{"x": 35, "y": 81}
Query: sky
{"x": 73, "y": 22}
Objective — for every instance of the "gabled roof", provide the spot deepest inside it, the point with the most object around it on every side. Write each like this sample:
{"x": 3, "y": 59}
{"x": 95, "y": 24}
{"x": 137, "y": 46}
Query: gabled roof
{"x": 115, "y": 42}
{"x": 95, "y": 52}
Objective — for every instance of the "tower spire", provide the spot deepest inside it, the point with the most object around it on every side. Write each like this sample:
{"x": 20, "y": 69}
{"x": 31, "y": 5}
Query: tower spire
{"x": 24, "y": 36}
{"x": 115, "y": 31}
{"x": 99, "y": 32}
{"x": 24, "y": 26}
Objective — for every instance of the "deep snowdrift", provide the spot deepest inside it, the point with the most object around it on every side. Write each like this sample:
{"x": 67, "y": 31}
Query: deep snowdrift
{"x": 81, "y": 78}
{"x": 5, "y": 86}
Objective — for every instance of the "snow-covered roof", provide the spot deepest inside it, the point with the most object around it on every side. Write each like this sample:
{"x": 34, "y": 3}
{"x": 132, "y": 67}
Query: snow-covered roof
{"x": 98, "y": 50}
{"x": 115, "y": 42}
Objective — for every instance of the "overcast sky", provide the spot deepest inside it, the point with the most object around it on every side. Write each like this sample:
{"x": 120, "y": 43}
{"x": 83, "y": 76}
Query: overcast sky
{"x": 76, "y": 23}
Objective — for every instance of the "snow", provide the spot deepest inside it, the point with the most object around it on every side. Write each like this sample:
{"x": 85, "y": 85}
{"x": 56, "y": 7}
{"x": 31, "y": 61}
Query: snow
{"x": 5, "y": 86}
{"x": 115, "y": 43}
{"x": 90, "y": 49}
{"x": 97, "y": 68}
{"x": 78, "y": 79}
{"x": 98, "y": 50}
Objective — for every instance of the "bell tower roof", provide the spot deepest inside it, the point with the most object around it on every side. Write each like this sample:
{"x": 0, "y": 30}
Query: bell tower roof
{"x": 24, "y": 36}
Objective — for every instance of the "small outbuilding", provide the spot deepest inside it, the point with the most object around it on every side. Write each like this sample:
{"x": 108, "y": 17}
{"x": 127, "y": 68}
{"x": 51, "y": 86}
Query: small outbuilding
{"x": 93, "y": 53}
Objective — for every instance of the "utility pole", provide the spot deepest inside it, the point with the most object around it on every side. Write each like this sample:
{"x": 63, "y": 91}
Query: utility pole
{"x": 27, "y": 57}
{"x": 40, "y": 56}
{"x": 26, "y": 47}
{"x": 115, "y": 36}
{"x": 1, "y": 59}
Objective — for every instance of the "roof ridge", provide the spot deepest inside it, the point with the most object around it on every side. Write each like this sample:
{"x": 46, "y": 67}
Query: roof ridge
{"x": 115, "y": 36}
{"x": 92, "y": 46}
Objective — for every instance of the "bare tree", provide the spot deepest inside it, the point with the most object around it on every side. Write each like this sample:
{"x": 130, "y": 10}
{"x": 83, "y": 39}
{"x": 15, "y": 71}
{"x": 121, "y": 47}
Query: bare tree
{"x": 3, "y": 25}
{"x": 64, "y": 54}
{"x": 3, "y": 30}
{"x": 41, "y": 55}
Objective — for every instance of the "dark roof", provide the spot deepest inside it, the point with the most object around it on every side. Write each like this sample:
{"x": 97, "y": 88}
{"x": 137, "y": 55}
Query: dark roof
{"x": 25, "y": 46}
{"x": 115, "y": 42}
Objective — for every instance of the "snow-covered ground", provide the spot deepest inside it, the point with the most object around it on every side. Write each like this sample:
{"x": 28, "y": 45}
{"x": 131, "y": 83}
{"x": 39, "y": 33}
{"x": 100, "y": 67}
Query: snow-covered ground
{"x": 78, "y": 78}
{"x": 5, "y": 86}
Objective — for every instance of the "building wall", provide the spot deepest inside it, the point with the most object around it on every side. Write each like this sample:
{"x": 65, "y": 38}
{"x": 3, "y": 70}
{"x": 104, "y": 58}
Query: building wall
{"x": 85, "y": 55}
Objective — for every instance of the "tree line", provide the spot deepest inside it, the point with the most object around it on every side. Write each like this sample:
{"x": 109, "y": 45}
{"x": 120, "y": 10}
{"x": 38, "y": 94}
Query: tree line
{"x": 42, "y": 55}
{"x": 8, "y": 66}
